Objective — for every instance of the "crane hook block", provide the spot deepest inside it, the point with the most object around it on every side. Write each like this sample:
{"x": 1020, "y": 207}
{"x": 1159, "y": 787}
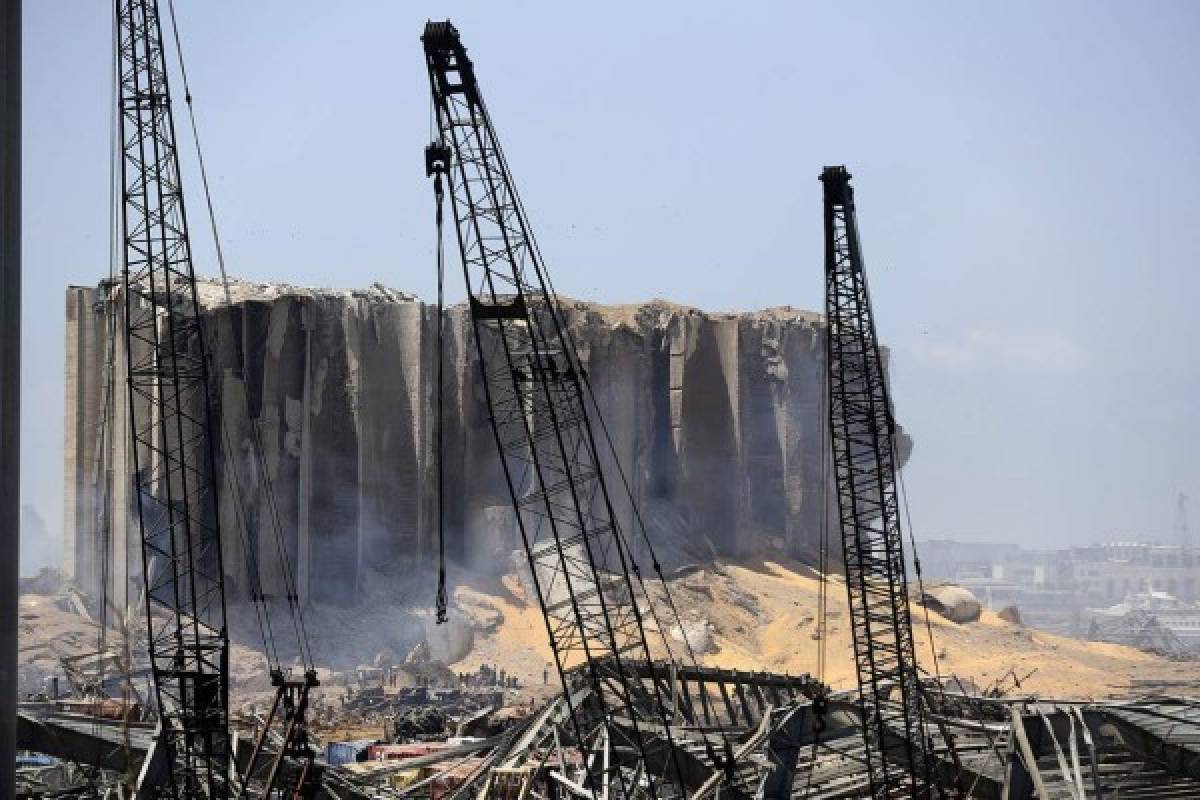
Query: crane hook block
{"x": 437, "y": 159}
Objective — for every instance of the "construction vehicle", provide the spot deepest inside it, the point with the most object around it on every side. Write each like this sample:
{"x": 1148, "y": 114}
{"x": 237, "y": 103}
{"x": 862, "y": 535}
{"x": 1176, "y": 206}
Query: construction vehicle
{"x": 863, "y": 439}
{"x": 174, "y": 454}
{"x": 578, "y": 558}
{"x": 171, "y": 419}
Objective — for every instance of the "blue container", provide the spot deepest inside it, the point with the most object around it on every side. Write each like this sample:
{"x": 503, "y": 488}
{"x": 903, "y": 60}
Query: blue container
{"x": 339, "y": 753}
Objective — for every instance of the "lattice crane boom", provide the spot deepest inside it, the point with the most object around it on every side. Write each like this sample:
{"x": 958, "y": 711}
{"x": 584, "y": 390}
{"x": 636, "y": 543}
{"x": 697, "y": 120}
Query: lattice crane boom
{"x": 171, "y": 421}
{"x": 862, "y": 433}
{"x": 579, "y": 562}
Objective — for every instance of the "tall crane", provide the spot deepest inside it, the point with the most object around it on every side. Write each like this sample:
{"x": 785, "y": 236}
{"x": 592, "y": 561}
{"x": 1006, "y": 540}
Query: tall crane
{"x": 578, "y": 560}
{"x": 862, "y": 433}
{"x": 171, "y": 421}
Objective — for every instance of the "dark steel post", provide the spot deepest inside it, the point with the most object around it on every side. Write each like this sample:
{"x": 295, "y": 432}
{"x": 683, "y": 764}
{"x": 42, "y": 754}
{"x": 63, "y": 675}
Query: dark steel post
{"x": 861, "y": 436}
{"x": 10, "y": 381}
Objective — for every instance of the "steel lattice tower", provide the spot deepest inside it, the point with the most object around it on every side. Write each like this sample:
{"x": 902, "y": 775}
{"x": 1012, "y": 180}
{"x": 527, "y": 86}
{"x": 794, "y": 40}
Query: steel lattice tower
{"x": 577, "y": 557}
{"x": 862, "y": 433}
{"x": 171, "y": 421}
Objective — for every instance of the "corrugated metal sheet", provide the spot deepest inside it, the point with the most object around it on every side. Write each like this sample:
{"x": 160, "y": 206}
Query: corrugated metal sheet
{"x": 391, "y": 752}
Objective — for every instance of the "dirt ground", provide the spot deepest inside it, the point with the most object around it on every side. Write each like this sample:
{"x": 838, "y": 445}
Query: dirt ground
{"x": 753, "y": 615}
{"x": 762, "y": 616}
{"x": 50, "y": 630}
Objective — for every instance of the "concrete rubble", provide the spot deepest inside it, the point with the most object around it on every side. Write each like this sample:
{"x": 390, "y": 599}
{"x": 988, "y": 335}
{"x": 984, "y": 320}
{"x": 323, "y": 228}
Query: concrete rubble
{"x": 953, "y": 602}
{"x": 400, "y": 724}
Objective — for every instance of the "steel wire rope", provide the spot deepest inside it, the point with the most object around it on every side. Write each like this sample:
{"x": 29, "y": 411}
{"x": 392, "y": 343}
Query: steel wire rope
{"x": 256, "y": 436}
{"x": 127, "y": 303}
{"x": 822, "y": 582}
{"x": 264, "y": 631}
{"x": 891, "y": 436}
{"x": 128, "y": 690}
{"x": 573, "y": 355}
{"x": 628, "y": 489}
{"x": 441, "y": 604}
{"x": 261, "y": 611}
{"x": 292, "y": 597}
{"x": 823, "y": 548}
{"x": 937, "y": 671}
{"x": 103, "y": 434}
{"x": 726, "y": 745}
{"x": 591, "y": 395}
{"x": 519, "y": 283}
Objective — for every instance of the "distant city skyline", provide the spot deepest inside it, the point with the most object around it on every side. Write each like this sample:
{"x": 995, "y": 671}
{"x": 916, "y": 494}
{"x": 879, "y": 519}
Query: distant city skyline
{"x": 1027, "y": 176}
{"x": 1130, "y": 538}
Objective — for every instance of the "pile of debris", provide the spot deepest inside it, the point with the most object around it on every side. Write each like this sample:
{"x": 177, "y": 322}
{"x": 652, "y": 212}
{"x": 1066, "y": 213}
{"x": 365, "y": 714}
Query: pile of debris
{"x": 1143, "y": 630}
{"x": 1002, "y": 746}
{"x": 41, "y": 777}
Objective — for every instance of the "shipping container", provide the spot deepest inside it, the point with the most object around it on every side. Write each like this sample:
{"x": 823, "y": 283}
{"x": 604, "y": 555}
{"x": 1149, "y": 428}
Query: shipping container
{"x": 393, "y": 752}
{"x": 339, "y": 753}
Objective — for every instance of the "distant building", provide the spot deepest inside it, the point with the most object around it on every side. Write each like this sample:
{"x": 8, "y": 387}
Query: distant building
{"x": 1055, "y": 588}
{"x": 1109, "y": 572}
{"x": 1162, "y": 622}
{"x": 947, "y": 559}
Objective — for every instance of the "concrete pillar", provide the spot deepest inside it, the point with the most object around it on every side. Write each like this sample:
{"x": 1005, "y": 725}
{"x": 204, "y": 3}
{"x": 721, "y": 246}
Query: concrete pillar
{"x": 72, "y": 535}
{"x": 85, "y": 440}
{"x": 10, "y": 381}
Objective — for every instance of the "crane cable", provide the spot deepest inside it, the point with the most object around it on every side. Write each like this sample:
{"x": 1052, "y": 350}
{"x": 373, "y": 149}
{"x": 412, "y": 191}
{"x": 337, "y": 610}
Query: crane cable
{"x": 261, "y": 610}
{"x": 124, "y": 660}
{"x": 573, "y": 354}
{"x": 722, "y": 759}
{"x": 937, "y": 670}
{"x": 823, "y": 551}
{"x": 292, "y": 596}
{"x": 440, "y": 195}
{"x": 110, "y": 335}
{"x": 575, "y": 362}
{"x": 101, "y": 483}
{"x": 126, "y": 300}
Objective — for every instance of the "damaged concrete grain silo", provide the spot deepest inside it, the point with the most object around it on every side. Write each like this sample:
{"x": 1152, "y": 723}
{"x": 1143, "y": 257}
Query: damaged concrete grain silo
{"x": 715, "y": 418}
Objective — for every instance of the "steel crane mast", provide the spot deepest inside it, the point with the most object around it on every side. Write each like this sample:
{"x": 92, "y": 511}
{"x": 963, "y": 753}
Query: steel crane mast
{"x": 579, "y": 562}
{"x": 171, "y": 422}
{"x": 862, "y": 433}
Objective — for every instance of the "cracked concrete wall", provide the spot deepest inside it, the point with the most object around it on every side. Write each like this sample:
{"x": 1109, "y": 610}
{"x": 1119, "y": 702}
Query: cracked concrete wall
{"x": 716, "y": 421}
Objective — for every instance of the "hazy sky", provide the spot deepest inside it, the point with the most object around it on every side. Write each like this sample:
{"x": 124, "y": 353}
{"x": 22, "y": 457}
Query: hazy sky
{"x": 1027, "y": 174}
